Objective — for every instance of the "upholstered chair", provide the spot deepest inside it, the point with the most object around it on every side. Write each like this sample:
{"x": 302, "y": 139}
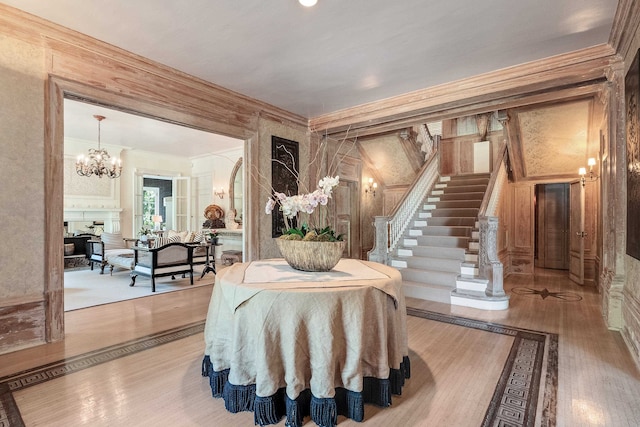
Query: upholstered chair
{"x": 168, "y": 260}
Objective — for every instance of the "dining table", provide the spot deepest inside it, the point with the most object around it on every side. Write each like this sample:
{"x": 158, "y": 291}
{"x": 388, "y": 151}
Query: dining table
{"x": 287, "y": 343}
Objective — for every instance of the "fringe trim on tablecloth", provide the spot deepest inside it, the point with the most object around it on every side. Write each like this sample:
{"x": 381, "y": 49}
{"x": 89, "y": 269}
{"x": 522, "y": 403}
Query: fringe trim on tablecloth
{"x": 323, "y": 411}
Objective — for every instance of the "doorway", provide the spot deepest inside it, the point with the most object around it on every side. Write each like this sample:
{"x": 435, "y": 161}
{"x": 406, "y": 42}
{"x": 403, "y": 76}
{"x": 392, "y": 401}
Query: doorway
{"x": 552, "y": 226}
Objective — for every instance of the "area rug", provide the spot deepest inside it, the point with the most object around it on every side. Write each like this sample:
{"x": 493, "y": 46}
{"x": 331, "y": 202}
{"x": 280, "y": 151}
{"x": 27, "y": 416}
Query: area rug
{"x": 86, "y": 288}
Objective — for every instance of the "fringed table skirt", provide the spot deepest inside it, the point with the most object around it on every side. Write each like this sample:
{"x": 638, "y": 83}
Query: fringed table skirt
{"x": 306, "y": 344}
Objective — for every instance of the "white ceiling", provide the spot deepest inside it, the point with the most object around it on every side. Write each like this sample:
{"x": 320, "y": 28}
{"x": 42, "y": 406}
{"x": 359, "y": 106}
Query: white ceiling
{"x": 337, "y": 54}
{"x": 140, "y": 133}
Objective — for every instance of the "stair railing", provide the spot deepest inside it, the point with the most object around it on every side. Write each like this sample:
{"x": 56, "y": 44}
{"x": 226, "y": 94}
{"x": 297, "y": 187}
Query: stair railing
{"x": 389, "y": 229}
{"x": 489, "y": 265}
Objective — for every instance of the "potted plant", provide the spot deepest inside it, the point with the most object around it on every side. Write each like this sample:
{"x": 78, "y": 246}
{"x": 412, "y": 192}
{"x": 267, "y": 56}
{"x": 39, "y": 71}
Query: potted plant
{"x": 309, "y": 248}
{"x": 144, "y": 233}
{"x": 213, "y": 237}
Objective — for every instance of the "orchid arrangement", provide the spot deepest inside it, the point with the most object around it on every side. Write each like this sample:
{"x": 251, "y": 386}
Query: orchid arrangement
{"x": 293, "y": 206}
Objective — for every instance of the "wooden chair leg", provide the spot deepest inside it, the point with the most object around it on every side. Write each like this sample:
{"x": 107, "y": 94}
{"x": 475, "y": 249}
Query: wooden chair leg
{"x": 153, "y": 283}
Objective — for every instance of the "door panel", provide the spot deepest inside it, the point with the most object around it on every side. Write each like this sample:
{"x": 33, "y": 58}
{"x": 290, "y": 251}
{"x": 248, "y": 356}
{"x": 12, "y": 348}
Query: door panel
{"x": 553, "y": 226}
{"x": 348, "y": 216}
{"x": 576, "y": 233}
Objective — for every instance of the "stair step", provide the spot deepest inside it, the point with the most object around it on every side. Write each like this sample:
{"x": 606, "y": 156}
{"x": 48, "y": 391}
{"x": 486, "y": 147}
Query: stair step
{"x": 468, "y": 181}
{"x": 474, "y": 188}
{"x": 479, "y": 300}
{"x": 425, "y": 263}
{"x": 460, "y": 196}
{"x": 468, "y": 269}
{"x": 434, "y": 252}
{"x": 449, "y": 221}
{"x": 464, "y": 212}
{"x": 454, "y": 204}
{"x": 442, "y": 241}
{"x": 426, "y": 291}
{"x": 442, "y": 230}
{"x": 432, "y": 277}
{"x": 471, "y": 283}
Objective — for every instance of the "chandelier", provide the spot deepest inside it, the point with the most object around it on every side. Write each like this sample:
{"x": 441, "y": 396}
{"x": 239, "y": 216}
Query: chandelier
{"x": 98, "y": 162}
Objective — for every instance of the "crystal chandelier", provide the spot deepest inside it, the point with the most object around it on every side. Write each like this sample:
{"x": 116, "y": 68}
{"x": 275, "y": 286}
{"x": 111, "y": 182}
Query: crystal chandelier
{"x": 98, "y": 162}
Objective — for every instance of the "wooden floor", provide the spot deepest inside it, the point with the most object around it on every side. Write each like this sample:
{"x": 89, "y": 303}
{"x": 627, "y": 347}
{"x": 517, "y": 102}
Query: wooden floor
{"x": 454, "y": 369}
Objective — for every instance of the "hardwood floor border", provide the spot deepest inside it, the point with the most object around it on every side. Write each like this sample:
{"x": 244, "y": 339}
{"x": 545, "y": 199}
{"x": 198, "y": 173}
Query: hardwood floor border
{"x": 514, "y": 401}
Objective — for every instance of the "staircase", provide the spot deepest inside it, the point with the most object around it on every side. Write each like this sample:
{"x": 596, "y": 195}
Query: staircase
{"x": 438, "y": 253}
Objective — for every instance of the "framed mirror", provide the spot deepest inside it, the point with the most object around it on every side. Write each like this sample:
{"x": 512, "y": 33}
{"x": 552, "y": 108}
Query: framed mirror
{"x": 236, "y": 190}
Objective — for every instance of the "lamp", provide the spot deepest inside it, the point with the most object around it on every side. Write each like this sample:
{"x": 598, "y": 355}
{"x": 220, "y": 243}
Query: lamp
{"x": 157, "y": 219}
{"x": 219, "y": 193}
{"x": 308, "y": 3}
{"x": 98, "y": 162}
{"x": 591, "y": 162}
{"x": 371, "y": 187}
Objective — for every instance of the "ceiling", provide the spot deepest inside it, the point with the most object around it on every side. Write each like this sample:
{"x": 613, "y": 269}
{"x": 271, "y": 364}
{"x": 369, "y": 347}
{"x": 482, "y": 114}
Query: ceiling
{"x": 140, "y": 133}
{"x": 337, "y": 54}
{"x": 313, "y": 61}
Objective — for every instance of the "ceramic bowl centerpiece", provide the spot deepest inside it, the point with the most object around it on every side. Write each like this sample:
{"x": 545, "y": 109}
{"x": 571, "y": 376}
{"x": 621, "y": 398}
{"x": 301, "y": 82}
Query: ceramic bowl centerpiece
{"x": 310, "y": 253}
{"x": 308, "y": 248}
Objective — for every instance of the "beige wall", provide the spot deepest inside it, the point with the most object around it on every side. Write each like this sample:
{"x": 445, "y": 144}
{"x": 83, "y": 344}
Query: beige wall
{"x": 22, "y": 207}
{"x": 39, "y": 65}
{"x": 261, "y": 178}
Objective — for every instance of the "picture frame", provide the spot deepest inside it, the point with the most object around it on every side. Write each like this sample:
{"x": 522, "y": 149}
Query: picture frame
{"x": 284, "y": 176}
{"x": 632, "y": 95}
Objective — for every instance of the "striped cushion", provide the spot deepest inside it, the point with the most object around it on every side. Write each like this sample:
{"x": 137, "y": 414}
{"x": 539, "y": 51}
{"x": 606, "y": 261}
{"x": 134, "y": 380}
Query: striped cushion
{"x": 198, "y": 237}
{"x": 181, "y": 234}
{"x": 161, "y": 241}
{"x": 113, "y": 241}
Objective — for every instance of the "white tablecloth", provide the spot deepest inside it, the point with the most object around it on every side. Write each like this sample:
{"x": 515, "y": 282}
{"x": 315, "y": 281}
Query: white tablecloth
{"x": 275, "y": 328}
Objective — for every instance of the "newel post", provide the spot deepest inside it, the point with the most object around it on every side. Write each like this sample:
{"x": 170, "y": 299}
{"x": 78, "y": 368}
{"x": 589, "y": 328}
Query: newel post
{"x": 489, "y": 264}
{"x": 379, "y": 252}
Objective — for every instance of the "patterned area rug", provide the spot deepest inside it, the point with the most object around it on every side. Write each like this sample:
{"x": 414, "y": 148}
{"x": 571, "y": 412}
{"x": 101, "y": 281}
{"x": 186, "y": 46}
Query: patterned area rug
{"x": 525, "y": 394}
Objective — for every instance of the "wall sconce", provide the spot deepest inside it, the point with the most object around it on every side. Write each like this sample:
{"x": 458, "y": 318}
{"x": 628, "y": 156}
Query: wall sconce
{"x": 583, "y": 172}
{"x": 371, "y": 187}
{"x": 219, "y": 193}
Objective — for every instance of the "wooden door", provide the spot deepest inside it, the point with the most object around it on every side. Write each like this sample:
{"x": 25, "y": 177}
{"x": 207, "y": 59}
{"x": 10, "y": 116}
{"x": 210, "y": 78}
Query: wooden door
{"x": 576, "y": 233}
{"x": 348, "y": 216}
{"x": 553, "y": 226}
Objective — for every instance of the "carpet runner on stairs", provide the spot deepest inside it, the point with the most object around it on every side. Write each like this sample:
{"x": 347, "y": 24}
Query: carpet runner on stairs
{"x": 440, "y": 247}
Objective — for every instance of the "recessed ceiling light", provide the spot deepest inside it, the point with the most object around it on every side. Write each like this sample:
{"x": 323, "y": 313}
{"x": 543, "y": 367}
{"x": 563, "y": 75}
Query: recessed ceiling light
{"x": 308, "y": 3}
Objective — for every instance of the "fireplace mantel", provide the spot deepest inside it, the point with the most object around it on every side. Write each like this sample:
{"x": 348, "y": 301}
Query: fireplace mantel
{"x": 78, "y": 218}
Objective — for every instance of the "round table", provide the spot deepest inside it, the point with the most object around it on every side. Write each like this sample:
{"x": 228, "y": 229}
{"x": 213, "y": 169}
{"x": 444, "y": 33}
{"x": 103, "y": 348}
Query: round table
{"x": 282, "y": 342}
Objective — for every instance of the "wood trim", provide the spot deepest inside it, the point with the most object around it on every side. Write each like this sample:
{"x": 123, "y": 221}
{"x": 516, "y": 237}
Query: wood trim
{"x": 509, "y": 102}
{"x": 71, "y": 49}
{"x": 368, "y": 163}
{"x": 557, "y": 72}
{"x": 625, "y": 23}
{"x": 413, "y": 153}
{"x": 54, "y": 213}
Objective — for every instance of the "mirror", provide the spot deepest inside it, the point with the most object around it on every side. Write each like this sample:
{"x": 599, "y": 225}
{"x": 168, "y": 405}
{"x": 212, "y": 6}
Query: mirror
{"x": 236, "y": 189}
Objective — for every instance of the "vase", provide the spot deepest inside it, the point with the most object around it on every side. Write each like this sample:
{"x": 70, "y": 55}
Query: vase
{"x": 311, "y": 256}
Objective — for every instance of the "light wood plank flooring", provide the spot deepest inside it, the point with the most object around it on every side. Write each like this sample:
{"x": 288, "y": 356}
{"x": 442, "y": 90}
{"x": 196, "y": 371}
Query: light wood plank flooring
{"x": 454, "y": 369}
